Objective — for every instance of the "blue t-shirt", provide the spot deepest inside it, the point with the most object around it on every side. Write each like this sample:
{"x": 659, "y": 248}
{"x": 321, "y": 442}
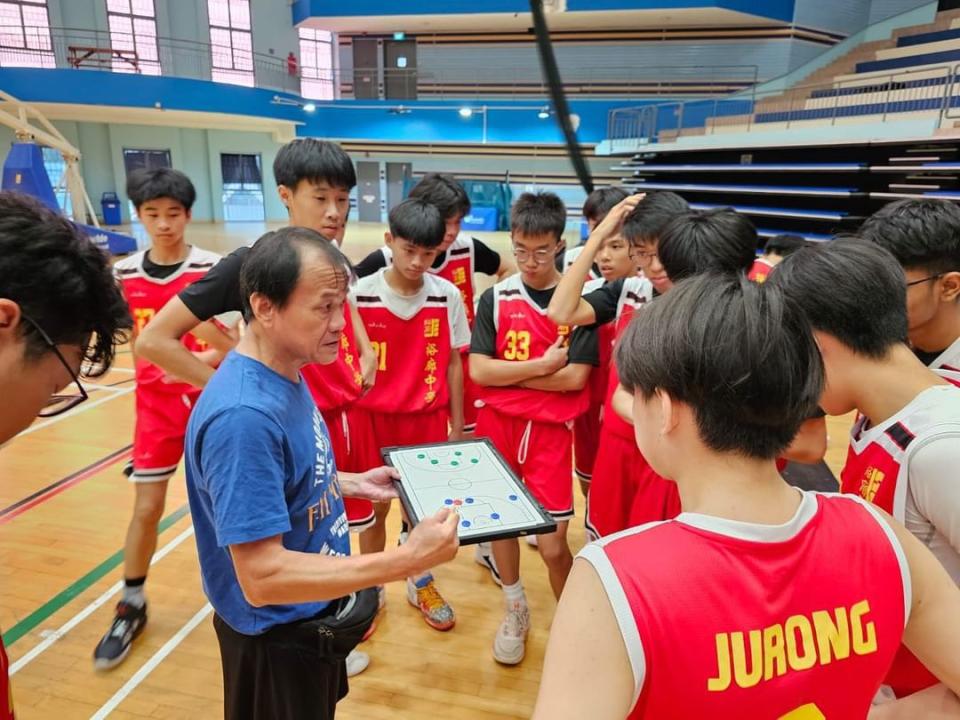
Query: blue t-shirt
{"x": 259, "y": 464}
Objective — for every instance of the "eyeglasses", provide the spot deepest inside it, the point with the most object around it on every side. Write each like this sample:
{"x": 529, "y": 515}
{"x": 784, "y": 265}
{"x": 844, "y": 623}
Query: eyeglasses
{"x": 926, "y": 279}
{"x": 641, "y": 256}
{"x": 540, "y": 257}
{"x": 58, "y": 404}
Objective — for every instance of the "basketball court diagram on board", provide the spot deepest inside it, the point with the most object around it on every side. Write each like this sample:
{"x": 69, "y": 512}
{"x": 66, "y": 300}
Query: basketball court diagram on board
{"x": 473, "y": 480}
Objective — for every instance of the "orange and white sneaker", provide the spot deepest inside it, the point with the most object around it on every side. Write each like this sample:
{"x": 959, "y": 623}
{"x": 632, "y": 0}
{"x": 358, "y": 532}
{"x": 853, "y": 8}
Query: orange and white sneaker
{"x": 423, "y": 594}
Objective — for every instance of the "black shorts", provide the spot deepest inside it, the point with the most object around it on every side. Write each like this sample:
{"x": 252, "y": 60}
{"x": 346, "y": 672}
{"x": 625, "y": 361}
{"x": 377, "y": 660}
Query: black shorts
{"x": 282, "y": 674}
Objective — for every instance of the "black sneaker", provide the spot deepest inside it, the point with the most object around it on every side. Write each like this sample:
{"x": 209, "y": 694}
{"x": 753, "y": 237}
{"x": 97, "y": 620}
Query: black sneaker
{"x": 128, "y": 468}
{"x": 114, "y": 647}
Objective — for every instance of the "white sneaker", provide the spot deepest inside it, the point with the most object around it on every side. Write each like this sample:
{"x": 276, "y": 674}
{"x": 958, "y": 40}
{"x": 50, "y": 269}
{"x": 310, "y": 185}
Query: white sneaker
{"x": 483, "y": 555}
{"x": 357, "y": 662}
{"x": 531, "y": 540}
{"x": 510, "y": 644}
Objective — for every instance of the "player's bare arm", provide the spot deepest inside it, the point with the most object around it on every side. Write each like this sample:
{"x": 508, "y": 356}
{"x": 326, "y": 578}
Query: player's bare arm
{"x": 507, "y": 267}
{"x": 455, "y": 385}
{"x": 492, "y": 372}
{"x": 586, "y": 671}
{"x": 567, "y": 306}
{"x": 934, "y": 703}
{"x": 216, "y": 336}
{"x": 159, "y": 342}
{"x": 368, "y": 358}
{"x": 623, "y": 404}
{"x": 571, "y": 378}
{"x": 932, "y": 633}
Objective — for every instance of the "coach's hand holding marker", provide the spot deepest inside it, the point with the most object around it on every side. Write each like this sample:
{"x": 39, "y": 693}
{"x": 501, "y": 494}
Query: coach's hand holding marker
{"x": 433, "y": 541}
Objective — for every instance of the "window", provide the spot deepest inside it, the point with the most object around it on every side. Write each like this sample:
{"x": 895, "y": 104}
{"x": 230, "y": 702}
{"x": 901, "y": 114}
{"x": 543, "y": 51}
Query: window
{"x": 242, "y": 188}
{"x": 231, "y": 41}
{"x": 25, "y": 34}
{"x": 56, "y": 168}
{"x": 133, "y": 30}
{"x": 316, "y": 64}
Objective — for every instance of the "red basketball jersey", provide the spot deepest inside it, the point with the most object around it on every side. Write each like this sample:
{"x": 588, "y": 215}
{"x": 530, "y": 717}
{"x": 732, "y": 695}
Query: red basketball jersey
{"x": 606, "y": 336}
{"x": 524, "y": 332}
{"x": 147, "y": 295}
{"x": 6, "y": 697}
{"x": 413, "y": 352}
{"x": 339, "y": 384}
{"x": 734, "y": 620}
{"x": 878, "y": 470}
{"x": 760, "y": 270}
{"x": 458, "y": 267}
{"x": 636, "y": 292}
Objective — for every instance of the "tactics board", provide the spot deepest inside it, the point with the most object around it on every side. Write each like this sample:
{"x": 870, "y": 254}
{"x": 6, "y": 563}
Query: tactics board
{"x": 471, "y": 478}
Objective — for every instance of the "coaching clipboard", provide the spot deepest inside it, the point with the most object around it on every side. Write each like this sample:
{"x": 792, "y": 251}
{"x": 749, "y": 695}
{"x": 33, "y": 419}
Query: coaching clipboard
{"x": 473, "y": 479}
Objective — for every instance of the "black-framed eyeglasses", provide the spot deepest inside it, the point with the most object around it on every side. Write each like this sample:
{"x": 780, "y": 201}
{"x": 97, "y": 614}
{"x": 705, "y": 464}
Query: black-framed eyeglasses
{"x": 60, "y": 402}
{"x": 926, "y": 279}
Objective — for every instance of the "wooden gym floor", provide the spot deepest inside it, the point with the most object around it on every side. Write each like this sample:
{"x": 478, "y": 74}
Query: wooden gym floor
{"x": 65, "y": 507}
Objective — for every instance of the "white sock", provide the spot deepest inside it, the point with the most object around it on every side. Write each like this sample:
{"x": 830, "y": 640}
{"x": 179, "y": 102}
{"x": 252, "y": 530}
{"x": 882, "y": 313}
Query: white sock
{"x": 134, "y": 595}
{"x": 514, "y": 593}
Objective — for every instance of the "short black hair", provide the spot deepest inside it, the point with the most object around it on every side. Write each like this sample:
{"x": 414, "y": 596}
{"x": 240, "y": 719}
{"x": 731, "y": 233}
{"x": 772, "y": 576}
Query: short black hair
{"x": 314, "y": 160}
{"x": 696, "y": 242}
{"x": 417, "y": 221}
{"x": 739, "y": 353}
{"x": 651, "y": 215}
{"x": 540, "y": 213}
{"x": 445, "y": 193}
{"x": 146, "y": 185}
{"x": 784, "y": 245}
{"x": 272, "y": 267}
{"x": 61, "y": 281}
{"x": 921, "y": 233}
{"x": 851, "y": 289}
{"x": 601, "y": 201}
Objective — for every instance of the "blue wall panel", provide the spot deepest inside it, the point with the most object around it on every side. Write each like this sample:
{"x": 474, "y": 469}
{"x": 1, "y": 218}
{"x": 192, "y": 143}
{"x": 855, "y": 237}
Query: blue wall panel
{"x": 303, "y": 9}
{"x": 776, "y": 9}
{"x": 91, "y": 87}
{"x": 440, "y": 123}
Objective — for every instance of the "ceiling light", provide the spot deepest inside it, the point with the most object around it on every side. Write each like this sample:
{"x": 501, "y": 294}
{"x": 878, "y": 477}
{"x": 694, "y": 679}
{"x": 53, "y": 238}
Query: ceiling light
{"x": 309, "y": 107}
{"x": 465, "y": 112}
{"x": 544, "y": 113}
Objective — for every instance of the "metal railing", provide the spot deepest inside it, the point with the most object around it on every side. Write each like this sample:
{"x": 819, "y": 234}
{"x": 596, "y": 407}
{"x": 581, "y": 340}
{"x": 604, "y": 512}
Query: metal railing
{"x": 930, "y": 89}
{"x": 61, "y": 47}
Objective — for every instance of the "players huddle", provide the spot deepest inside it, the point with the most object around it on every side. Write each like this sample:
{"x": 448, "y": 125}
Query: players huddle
{"x": 665, "y": 364}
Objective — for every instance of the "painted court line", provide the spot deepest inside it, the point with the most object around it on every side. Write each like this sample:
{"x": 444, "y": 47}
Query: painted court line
{"x": 73, "y": 413}
{"x": 152, "y": 663}
{"x": 58, "y": 601}
{"x": 57, "y": 634}
{"x": 52, "y": 490}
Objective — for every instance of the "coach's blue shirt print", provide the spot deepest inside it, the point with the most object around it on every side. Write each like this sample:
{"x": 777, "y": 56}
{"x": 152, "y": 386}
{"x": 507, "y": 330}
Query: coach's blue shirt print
{"x": 259, "y": 464}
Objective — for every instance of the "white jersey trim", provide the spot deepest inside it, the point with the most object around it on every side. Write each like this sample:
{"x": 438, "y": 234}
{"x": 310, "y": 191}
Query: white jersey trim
{"x": 593, "y": 553}
{"x": 895, "y": 544}
{"x": 135, "y": 262}
{"x": 512, "y": 283}
{"x": 936, "y": 401}
{"x": 949, "y": 356}
{"x": 637, "y": 285}
{"x": 756, "y": 532}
